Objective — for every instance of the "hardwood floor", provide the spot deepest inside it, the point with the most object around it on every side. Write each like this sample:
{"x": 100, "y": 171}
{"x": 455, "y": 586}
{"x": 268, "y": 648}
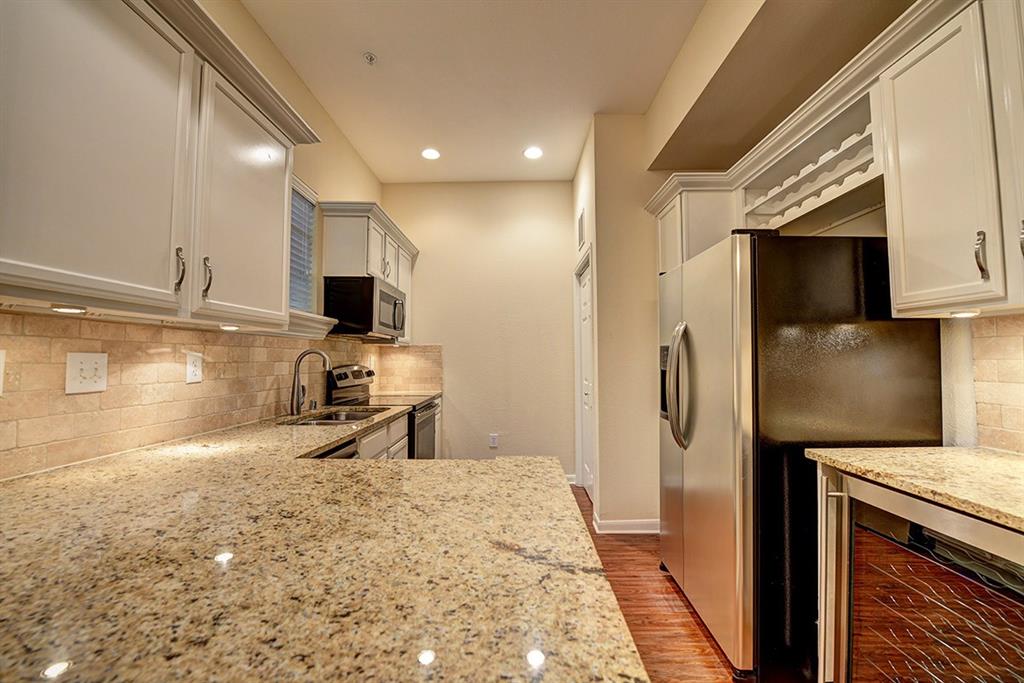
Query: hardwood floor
{"x": 673, "y": 644}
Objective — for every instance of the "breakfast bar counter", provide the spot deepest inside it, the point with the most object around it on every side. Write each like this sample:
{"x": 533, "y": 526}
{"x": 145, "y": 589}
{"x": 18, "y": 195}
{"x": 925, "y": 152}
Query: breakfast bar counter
{"x": 228, "y": 557}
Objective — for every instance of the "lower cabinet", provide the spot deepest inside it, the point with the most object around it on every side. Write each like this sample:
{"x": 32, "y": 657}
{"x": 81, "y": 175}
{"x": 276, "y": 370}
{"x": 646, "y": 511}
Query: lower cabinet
{"x": 437, "y": 434}
{"x": 916, "y": 592}
{"x": 400, "y": 451}
{"x": 374, "y": 445}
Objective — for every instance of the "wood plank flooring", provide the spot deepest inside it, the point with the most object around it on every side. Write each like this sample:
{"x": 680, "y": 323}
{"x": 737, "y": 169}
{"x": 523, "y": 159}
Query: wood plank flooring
{"x": 673, "y": 643}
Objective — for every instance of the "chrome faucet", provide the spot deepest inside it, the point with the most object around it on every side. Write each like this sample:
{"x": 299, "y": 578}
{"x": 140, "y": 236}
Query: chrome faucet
{"x": 299, "y": 389}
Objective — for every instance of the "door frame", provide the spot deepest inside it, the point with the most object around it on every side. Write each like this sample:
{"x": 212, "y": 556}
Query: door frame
{"x": 586, "y": 261}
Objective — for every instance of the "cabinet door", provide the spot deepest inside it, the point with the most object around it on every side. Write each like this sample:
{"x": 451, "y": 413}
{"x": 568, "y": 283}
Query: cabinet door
{"x": 391, "y": 265}
{"x": 242, "y": 231}
{"x": 94, "y": 128}
{"x": 400, "y": 451}
{"x": 670, "y": 235}
{"x": 942, "y": 202}
{"x": 437, "y": 435}
{"x": 375, "y": 250}
{"x": 405, "y": 284}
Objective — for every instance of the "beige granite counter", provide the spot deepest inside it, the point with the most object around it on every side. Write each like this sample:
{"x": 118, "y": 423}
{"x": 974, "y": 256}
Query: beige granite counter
{"x": 338, "y": 570}
{"x": 982, "y": 482}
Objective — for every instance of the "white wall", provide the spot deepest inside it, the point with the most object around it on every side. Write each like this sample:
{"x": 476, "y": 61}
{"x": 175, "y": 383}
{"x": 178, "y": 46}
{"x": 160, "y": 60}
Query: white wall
{"x": 493, "y": 286}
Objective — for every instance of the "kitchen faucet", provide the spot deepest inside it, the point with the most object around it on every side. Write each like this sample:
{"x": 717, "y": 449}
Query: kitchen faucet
{"x": 299, "y": 389}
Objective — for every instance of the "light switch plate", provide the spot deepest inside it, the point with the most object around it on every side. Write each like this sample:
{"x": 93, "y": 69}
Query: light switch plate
{"x": 86, "y": 373}
{"x": 3, "y": 363}
{"x": 193, "y": 367}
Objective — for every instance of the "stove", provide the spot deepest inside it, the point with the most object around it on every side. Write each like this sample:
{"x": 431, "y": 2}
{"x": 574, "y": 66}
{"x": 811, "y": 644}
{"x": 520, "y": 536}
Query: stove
{"x": 349, "y": 385}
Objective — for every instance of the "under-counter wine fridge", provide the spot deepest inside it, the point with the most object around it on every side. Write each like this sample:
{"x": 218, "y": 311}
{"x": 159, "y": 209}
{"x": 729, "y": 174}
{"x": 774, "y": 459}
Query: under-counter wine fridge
{"x": 912, "y": 591}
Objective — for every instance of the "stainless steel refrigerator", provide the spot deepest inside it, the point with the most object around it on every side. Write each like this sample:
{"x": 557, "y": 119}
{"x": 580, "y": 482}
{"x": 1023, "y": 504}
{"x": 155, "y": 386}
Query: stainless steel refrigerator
{"x": 771, "y": 345}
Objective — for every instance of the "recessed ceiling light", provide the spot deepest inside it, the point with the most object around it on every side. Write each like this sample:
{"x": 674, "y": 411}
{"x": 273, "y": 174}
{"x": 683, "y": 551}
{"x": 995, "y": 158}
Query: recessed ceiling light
{"x": 66, "y": 308}
{"x": 533, "y": 152}
{"x": 229, "y": 328}
{"x": 430, "y": 153}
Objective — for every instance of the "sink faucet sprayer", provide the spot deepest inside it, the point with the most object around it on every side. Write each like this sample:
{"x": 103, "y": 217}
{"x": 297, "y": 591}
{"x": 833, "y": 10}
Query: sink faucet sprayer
{"x": 298, "y": 389}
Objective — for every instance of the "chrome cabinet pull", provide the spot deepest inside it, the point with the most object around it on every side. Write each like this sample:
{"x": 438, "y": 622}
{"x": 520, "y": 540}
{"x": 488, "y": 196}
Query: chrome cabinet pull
{"x": 209, "y": 276}
{"x": 980, "y": 256}
{"x": 180, "y": 254}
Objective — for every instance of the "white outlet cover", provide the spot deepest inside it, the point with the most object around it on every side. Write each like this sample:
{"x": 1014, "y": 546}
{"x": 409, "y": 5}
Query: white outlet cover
{"x": 193, "y": 367}
{"x": 493, "y": 442}
{"x": 3, "y": 362}
{"x": 86, "y": 373}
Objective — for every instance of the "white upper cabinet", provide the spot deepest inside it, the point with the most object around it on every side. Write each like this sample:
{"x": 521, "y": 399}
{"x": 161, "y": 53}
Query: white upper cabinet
{"x": 240, "y": 264}
{"x": 941, "y": 188}
{"x": 94, "y": 172}
{"x": 670, "y": 235}
{"x": 375, "y": 250}
{"x": 405, "y": 284}
{"x": 391, "y": 260}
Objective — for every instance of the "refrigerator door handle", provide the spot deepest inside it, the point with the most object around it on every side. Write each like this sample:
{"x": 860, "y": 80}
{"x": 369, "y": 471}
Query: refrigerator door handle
{"x": 684, "y": 422}
{"x": 672, "y": 385}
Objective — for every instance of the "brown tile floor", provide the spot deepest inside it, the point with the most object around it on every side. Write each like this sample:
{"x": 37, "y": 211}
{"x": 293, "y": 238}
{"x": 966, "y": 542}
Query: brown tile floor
{"x": 673, "y": 644}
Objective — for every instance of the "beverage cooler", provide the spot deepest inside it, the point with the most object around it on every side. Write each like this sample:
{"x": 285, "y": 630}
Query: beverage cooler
{"x": 912, "y": 591}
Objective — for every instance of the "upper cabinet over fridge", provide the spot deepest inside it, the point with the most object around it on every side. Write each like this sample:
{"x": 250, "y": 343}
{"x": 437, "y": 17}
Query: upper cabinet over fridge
{"x": 920, "y": 138}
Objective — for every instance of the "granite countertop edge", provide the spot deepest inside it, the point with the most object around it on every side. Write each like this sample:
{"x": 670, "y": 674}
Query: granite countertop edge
{"x": 982, "y": 482}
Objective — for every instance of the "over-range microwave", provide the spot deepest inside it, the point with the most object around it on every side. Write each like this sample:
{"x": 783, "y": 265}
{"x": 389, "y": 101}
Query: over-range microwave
{"x": 364, "y": 306}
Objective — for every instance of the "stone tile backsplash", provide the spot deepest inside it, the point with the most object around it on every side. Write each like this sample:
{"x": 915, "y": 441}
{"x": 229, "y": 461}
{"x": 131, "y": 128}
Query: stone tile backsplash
{"x": 999, "y": 381}
{"x": 246, "y": 377}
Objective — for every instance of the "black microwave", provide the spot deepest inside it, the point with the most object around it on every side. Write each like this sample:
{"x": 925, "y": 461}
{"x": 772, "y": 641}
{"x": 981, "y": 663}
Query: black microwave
{"x": 364, "y": 306}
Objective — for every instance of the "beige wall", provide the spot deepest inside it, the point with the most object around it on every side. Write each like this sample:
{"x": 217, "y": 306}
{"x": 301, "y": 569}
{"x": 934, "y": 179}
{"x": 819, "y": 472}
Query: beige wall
{"x": 333, "y": 168}
{"x": 719, "y": 25}
{"x": 493, "y": 287}
{"x": 627, "y": 321}
{"x": 999, "y": 381}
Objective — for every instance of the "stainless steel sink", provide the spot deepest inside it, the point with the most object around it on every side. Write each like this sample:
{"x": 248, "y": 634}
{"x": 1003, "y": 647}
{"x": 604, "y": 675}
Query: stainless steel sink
{"x": 341, "y": 417}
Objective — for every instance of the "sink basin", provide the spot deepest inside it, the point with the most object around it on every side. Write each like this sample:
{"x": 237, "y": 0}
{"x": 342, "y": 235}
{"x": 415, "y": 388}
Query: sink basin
{"x": 341, "y": 417}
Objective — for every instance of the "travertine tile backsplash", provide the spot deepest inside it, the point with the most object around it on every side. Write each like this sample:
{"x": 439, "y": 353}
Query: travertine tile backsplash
{"x": 245, "y": 377}
{"x": 999, "y": 381}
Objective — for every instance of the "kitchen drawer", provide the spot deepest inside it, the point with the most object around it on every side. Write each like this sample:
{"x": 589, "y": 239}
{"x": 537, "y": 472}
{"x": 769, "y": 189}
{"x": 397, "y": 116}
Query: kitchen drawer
{"x": 400, "y": 451}
{"x": 398, "y": 430}
{"x": 374, "y": 444}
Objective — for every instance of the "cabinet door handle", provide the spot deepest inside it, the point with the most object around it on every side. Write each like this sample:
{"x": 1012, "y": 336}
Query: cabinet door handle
{"x": 209, "y": 276}
{"x": 980, "y": 256}
{"x": 180, "y": 254}
{"x": 1021, "y": 237}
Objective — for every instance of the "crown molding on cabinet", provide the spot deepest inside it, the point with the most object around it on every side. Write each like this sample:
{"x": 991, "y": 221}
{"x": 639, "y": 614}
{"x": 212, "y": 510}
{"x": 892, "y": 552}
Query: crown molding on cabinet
{"x": 373, "y": 211}
{"x": 848, "y": 85}
{"x": 216, "y": 47}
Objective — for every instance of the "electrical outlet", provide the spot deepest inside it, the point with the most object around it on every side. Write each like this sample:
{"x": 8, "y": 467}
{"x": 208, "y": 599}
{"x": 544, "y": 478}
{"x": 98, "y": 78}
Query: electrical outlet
{"x": 193, "y": 367}
{"x": 3, "y": 362}
{"x": 493, "y": 441}
{"x": 86, "y": 373}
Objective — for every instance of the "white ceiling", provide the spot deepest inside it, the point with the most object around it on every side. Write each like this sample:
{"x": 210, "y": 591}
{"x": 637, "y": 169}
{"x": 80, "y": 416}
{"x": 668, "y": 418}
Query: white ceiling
{"x": 479, "y": 80}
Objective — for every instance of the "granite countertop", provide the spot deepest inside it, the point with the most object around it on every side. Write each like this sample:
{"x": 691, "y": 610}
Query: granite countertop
{"x": 982, "y": 482}
{"x": 227, "y": 557}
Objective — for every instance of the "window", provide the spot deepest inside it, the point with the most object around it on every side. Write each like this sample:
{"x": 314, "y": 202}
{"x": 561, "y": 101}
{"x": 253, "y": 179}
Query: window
{"x": 300, "y": 286}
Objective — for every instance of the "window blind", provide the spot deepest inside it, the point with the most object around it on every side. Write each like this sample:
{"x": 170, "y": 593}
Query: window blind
{"x": 300, "y": 291}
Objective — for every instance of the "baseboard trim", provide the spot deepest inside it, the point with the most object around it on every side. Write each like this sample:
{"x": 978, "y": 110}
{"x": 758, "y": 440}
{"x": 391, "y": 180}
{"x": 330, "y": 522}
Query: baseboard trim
{"x": 571, "y": 478}
{"x": 626, "y": 526}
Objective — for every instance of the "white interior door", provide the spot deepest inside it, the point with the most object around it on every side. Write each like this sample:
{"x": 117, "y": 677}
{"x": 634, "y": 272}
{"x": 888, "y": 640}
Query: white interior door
{"x": 586, "y": 383}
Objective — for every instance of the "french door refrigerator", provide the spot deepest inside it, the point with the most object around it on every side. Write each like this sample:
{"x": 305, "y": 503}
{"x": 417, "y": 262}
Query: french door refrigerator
{"x": 771, "y": 345}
